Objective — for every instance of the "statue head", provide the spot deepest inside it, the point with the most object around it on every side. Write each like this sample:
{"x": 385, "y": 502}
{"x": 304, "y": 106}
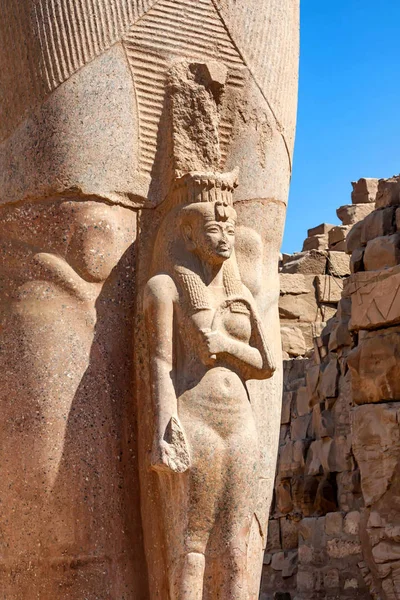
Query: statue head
{"x": 208, "y": 229}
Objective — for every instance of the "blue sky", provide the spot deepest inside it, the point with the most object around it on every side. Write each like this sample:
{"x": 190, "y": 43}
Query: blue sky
{"x": 349, "y": 107}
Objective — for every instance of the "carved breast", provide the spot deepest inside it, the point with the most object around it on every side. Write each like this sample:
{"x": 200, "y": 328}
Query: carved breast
{"x": 235, "y": 322}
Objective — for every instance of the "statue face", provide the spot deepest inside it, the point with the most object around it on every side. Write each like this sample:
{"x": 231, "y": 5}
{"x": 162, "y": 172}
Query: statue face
{"x": 214, "y": 240}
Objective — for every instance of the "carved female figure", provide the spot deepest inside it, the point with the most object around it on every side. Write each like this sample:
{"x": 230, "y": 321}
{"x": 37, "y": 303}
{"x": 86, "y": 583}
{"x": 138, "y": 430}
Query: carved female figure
{"x": 205, "y": 341}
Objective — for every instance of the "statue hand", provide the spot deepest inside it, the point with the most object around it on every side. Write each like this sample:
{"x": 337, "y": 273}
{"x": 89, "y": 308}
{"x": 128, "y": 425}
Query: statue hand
{"x": 170, "y": 452}
{"x": 215, "y": 343}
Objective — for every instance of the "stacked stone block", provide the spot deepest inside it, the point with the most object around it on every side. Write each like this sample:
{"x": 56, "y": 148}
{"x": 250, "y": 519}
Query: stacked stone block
{"x": 374, "y": 365}
{"x": 312, "y": 280}
{"x": 334, "y": 527}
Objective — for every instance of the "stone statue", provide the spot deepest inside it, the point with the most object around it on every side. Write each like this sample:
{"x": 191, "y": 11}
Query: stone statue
{"x": 206, "y": 340}
{"x": 106, "y": 107}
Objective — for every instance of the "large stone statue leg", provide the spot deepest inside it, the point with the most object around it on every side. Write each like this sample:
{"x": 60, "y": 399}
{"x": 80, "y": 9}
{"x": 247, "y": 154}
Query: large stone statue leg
{"x": 65, "y": 380}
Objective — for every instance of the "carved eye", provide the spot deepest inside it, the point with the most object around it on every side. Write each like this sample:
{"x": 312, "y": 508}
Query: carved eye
{"x": 230, "y": 231}
{"x": 212, "y": 230}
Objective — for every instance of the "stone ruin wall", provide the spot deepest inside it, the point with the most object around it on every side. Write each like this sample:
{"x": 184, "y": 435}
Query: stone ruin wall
{"x": 334, "y": 528}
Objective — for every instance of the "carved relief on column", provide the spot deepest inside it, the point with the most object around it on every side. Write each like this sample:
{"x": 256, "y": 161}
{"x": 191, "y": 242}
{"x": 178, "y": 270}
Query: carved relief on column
{"x": 204, "y": 341}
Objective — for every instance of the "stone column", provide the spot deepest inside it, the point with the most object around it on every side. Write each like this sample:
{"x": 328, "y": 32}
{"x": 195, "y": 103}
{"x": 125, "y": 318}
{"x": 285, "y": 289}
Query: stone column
{"x": 83, "y": 161}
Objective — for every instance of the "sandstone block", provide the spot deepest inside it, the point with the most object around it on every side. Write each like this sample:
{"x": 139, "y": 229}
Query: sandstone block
{"x": 340, "y": 337}
{"x": 283, "y": 493}
{"x": 340, "y": 549}
{"x": 329, "y": 289}
{"x": 294, "y": 370}
{"x": 302, "y": 405}
{"x": 339, "y": 457}
{"x": 364, "y": 190}
{"x": 321, "y": 457}
{"x": 352, "y": 523}
{"x": 339, "y": 247}
{"x": 382, "y": 253}
{"x": 329, "y": 380}
{"x": 353, "y": 238}
{"x": 284, "y": 434}
{"x": 377, "y": 224}
{"x": 304, "y": 490}
{"x": 305, "y": 581}
{"x": 286, "y": 407}
{"x": 295, "y": 283}
{"x": 338, "y": 264}
{"x": 388, "y": 192}
{"x": 333, "y": 524}
{"x": 332, "y": 579}
{"x": 300, "y": 427}
{"x": 320, "y": 229}
{"x": 289, "y": 533}
{"x": 322, "y": 422}
{"x": 357, "y": 260}
{"x": 278, "y": 561}
{"x": 305, "y": 555}
{"x": 312, "y": 379}
{"x": 328, "y": 312}
{"x": 375, "y": 367}
{"x": 352, "y": 213}
{"x": 305, "y": 328}
{"x": 274, "y": 536}
{"x": 349, "y": 490}
{"x": 293, "y": 341}
{"x": 314, "y": 459}
{"x": 351, "y": 584}
{"x": 316, "y": 242}
{"x": 338, "y": 234}
{"x": 267, "y": 559}
{"x": 292, "y": 458}
{"x": 376, "y": 447}
{"x": 386, "y": 552}
{"x": 375, "y": 299}
{"x": 312, "y": 262}
{"x": 302, "y": 308}
{"x": 311, "y": 531}
{"x": 344, "y": 308}
{"x": 289, "y": 569}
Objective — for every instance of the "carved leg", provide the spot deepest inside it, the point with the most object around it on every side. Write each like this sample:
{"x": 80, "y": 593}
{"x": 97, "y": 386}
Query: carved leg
{"x": 192, "y": 577}
{"x": 237, "y": 508}
{"x": 205, "y": 490}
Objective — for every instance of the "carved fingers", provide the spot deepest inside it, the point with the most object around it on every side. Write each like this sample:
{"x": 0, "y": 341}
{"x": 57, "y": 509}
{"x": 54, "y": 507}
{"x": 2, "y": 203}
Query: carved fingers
{"x": 214, "y": 342}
